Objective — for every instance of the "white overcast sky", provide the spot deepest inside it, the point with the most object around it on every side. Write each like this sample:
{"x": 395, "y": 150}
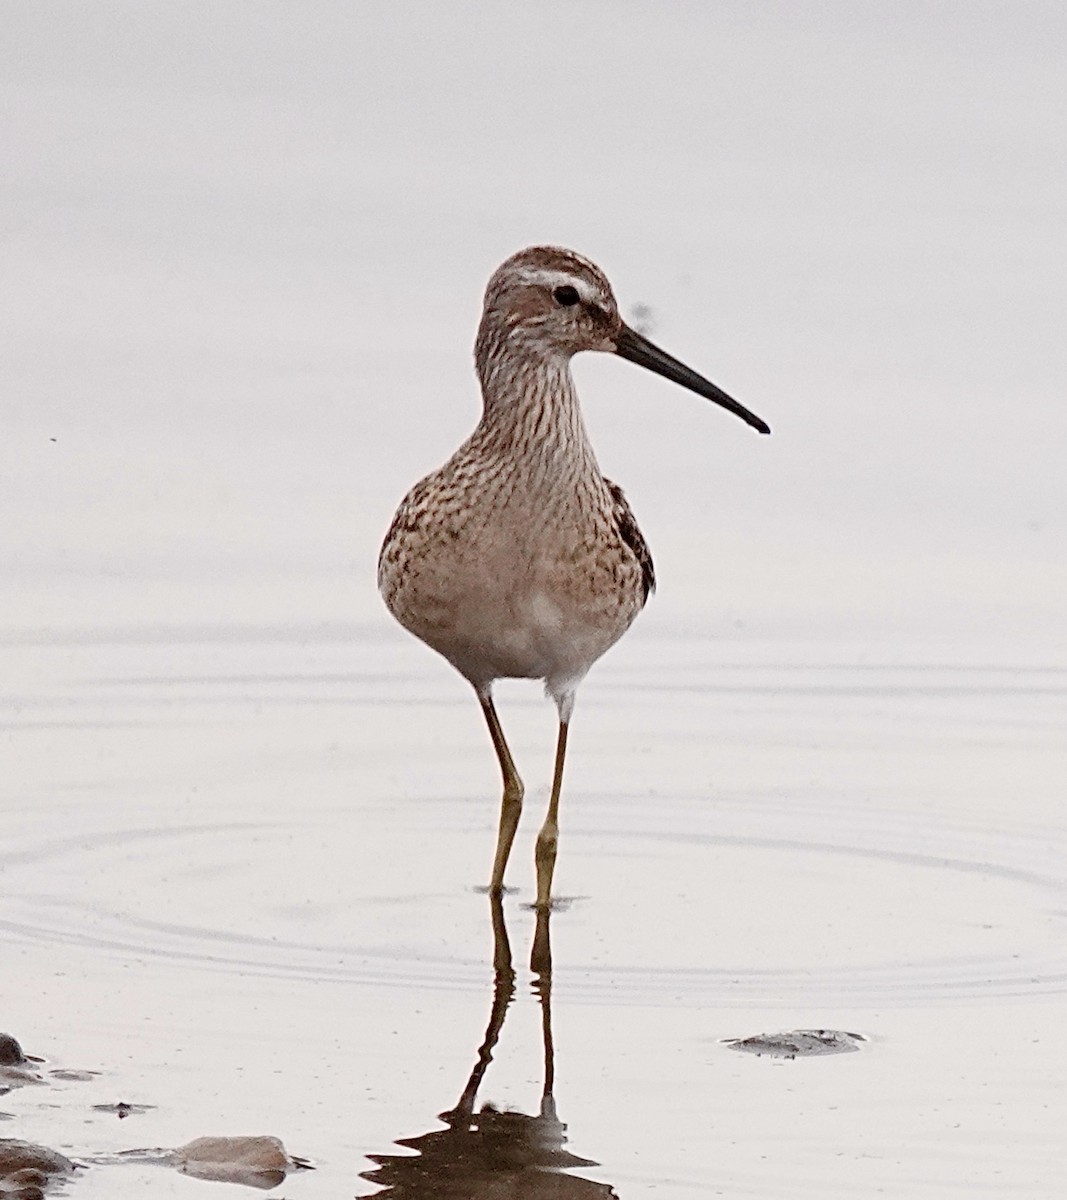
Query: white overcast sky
{"x": 244, "y": 245}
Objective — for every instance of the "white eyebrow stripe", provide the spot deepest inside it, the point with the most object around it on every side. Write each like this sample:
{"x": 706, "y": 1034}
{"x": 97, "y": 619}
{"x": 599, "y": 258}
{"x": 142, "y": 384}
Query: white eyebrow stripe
{"x": 553, "y": 279}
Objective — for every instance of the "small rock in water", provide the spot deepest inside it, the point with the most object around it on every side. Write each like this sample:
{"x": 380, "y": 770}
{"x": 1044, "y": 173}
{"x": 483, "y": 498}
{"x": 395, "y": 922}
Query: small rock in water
{"x": 25, "y": 1168}
{"x": 798, "y": 1043}
{"x": 26, "y": 1184}
{"x": 10, "y": 1051}
{"x": 257, "y": 1161}
{"x": 15, "y": 1065}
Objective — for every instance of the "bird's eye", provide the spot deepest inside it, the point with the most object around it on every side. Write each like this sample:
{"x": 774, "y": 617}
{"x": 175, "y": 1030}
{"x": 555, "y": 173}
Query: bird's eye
{"x": 566, "y": 295}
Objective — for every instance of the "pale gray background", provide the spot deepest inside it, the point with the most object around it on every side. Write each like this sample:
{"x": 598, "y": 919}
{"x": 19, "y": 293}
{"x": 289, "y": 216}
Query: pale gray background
{"x": 244, "y": 246}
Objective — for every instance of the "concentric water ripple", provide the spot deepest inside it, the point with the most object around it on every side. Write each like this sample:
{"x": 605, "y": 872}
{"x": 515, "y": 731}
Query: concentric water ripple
{"x": 732, "y": 843}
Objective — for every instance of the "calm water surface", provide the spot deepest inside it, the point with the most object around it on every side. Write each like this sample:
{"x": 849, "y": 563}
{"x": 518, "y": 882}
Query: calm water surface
{"x": 240, "y": 875}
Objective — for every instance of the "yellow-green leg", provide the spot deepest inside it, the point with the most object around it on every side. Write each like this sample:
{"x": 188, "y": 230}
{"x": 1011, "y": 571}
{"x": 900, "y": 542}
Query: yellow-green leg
{"x": 511, "y": 805}
{"x": 548, "y": 838}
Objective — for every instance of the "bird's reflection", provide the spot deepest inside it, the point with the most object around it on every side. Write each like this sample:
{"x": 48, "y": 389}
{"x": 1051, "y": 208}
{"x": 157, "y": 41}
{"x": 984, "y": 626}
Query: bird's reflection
{"x": 492, "y": 1153}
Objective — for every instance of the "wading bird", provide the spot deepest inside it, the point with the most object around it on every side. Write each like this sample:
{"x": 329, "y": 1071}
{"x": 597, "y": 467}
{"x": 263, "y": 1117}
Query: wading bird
{"x": 518, "y": 559}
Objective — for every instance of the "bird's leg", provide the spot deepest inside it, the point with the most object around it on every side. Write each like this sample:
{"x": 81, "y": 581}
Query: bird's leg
{"x": 511, "y": 805}
{"x": 548, "y": 838}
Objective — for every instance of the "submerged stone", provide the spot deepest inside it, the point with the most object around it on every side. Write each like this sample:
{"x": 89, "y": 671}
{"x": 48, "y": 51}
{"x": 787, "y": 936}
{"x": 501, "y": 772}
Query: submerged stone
{"x": 259, "y": 1161}
{"x": 798, "y": 1043}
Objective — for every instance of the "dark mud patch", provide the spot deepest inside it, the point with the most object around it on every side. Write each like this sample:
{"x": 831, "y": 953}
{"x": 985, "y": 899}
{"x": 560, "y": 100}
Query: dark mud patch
{"x": 798, "y": 1043}
{"x": 122, "y": 1109}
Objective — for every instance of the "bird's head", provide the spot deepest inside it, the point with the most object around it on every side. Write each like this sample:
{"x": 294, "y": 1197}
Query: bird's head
{"x": 551, "y": 301}
{"x": 546, "y": 302}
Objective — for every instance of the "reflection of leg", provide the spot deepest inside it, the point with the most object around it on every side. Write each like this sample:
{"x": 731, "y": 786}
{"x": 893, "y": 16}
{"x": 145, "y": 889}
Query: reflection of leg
{"x": 541, "y": 954}
{"x": 548, "y": 838}
{"x": 541, "y": 965}
{"x": 503, "y": 992}
{"x": 501, "y": 946}
{"x": 511, "y": 805}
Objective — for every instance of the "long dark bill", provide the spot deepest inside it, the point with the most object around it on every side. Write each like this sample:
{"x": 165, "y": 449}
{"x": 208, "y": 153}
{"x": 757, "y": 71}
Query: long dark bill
{"x": 637, "y": 349}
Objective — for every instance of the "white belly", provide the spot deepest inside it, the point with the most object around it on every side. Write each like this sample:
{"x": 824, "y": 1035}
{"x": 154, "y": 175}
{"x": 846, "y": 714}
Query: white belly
{"x": 523, "y": 628}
